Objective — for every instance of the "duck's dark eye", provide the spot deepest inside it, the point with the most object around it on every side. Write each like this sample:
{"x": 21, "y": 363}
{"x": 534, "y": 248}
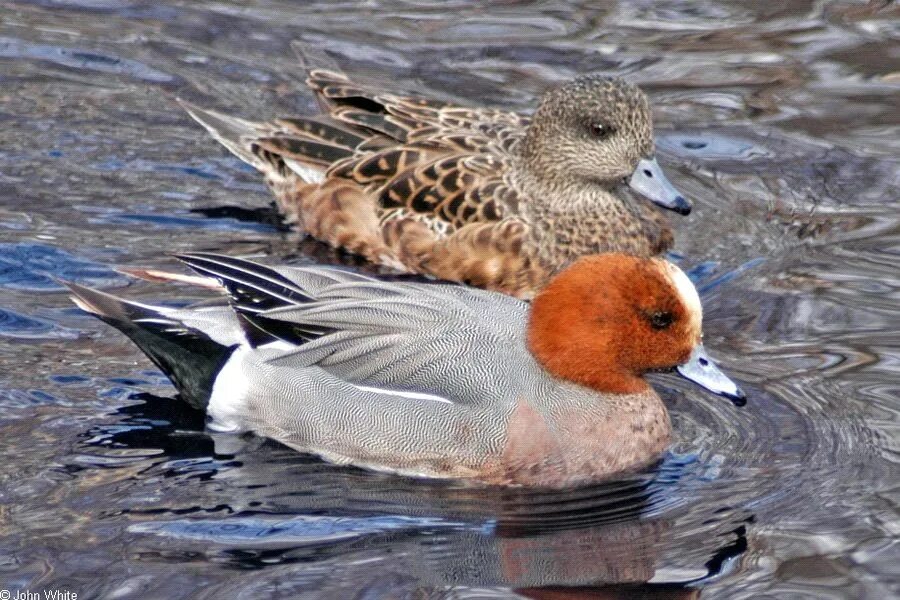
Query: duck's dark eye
{"x": 601, "y": 131}
{"x": 661, "y": 320}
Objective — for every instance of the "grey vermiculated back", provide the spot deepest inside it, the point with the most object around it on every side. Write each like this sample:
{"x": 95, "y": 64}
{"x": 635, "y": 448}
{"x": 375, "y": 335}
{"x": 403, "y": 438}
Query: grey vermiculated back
{"x": 408, "y": 336}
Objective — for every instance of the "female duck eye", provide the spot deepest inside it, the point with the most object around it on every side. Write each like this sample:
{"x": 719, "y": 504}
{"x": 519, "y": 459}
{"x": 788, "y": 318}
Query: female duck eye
{"x": 661, "y": 320}
{"x": 601, "y": 130}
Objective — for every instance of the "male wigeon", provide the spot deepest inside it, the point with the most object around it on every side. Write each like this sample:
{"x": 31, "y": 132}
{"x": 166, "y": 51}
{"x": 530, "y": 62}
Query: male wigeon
{"x": 433, "y": 380}
{"x": 476, "y": 195}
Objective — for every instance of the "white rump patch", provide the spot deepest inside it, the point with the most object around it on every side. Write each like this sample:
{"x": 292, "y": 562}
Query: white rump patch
{"x": 307, "y": 173}
{"x": 401, "y": 394}
{"x": 228, "y": 394}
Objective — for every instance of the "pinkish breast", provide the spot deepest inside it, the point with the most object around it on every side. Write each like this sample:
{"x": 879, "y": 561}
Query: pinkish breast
{"x": 580, "y": 445}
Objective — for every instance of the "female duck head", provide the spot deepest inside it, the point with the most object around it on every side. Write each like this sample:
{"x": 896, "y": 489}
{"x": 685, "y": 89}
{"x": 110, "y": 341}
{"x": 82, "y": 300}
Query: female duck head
{"x": 608, "y": 319}
{"x": 599, "y": 130}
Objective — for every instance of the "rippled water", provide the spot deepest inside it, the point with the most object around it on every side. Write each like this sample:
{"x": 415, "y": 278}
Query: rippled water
{"x": 779, "y": 119}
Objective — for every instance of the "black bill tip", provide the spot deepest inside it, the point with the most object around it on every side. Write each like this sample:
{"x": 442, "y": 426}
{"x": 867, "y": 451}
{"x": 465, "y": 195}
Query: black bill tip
{"x": 681, "y": 205}
{"x": 738, "y": 398}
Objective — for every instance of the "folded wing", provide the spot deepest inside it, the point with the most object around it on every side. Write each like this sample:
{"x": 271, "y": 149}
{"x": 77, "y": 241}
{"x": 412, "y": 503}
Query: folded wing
{"x": 446, "y": 341}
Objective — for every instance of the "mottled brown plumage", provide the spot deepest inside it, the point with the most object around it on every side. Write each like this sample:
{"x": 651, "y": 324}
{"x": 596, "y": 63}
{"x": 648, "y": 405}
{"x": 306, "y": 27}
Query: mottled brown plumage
{"x": 477, "y": 195}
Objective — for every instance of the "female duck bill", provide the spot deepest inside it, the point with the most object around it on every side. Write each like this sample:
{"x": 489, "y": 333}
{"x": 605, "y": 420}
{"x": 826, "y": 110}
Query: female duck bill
{"x": 649, "y": 181}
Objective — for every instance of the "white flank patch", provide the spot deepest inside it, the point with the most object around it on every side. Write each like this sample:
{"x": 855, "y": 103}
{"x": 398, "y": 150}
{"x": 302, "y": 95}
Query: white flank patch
{"x": 278, "y": 345}
{"x": 308, "y": 173}
{"x": 689, "y": 296}
{"x": 228, "y": 393}
{"x": 410, "y": 395}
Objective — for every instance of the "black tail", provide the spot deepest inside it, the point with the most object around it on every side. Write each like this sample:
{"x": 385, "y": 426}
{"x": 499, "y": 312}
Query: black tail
{"x": 187, "y": 356}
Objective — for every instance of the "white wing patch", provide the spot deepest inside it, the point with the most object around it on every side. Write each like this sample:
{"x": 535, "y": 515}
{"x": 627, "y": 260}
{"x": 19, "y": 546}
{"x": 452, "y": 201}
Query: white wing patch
{"x": 279, "y": 345}
{"x": 402, "y": 394}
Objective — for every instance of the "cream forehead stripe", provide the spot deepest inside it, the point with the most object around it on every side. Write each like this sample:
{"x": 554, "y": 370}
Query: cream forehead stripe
{"x": 688, "y": 293}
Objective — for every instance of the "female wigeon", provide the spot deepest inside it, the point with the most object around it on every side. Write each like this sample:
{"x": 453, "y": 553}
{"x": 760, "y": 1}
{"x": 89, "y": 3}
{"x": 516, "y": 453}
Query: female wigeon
{"x": 490, "y": 198}
{"x": 434, "y": 380}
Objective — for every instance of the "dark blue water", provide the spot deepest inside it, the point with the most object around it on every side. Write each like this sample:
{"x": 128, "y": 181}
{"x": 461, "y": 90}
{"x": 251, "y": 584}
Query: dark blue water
{"x": 778, "y": 119}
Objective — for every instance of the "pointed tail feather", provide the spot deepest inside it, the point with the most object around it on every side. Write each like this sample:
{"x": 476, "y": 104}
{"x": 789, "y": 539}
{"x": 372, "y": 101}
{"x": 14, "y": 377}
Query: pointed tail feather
{"x": 231, "y": 132}
{"x": 188, "y": 357}
{"x": 165, "y": 276}
{"x": 253, "y": 144}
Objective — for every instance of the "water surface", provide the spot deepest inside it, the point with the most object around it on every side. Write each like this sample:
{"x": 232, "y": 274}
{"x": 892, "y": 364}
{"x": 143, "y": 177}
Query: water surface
{"x": 778, "y": 119}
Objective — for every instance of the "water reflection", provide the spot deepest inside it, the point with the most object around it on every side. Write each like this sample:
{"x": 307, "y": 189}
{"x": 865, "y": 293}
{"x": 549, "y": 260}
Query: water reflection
{"x": 778, "y": 119}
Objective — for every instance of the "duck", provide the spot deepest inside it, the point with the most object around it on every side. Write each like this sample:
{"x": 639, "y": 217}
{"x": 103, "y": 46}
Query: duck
{"x": 487, "y": 197}
{"x": 428, "y": 379}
